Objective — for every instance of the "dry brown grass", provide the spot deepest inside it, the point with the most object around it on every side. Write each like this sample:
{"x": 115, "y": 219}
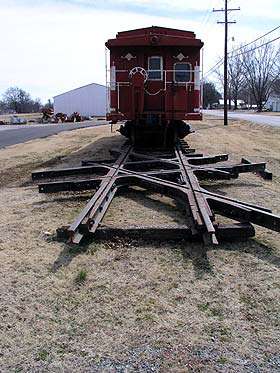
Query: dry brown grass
{"x": 269, "y": 113}
{"x": 140, "y": 306}
{"x": 27, "y": 116}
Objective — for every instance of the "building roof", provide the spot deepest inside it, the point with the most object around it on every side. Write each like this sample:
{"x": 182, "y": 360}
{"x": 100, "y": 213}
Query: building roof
{"x": 75, "y": 89}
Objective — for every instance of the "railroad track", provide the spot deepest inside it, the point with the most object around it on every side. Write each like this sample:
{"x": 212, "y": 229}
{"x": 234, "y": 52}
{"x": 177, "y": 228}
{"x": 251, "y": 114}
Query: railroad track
{"x": 175, "y": 173}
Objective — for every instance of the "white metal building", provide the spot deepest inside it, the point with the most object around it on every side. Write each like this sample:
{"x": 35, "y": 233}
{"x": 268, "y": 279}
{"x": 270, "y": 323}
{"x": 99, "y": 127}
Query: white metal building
{"x": 89, "y": 100}
{"x": 273, "y": 103}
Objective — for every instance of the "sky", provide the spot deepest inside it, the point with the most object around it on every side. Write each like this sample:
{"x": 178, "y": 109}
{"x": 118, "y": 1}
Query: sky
{"x": 51, "y": 46}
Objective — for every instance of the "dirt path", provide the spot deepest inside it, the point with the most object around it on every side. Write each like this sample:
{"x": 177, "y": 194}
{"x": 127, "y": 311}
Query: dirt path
{"x": 135, "y": 306}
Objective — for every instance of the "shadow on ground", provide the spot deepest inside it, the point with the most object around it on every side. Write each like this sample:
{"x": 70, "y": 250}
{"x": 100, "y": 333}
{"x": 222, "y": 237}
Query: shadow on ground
{"x": 194, "y": 252}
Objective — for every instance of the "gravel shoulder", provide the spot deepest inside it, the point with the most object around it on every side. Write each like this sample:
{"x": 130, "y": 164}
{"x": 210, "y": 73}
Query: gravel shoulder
{"x": 129, "y": 306}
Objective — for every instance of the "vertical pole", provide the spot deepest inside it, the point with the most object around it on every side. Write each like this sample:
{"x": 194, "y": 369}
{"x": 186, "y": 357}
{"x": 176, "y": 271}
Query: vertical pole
{"x": 226, "y": 67}
{"x": 226, "y": 22}
{"x": 106, "y": 72}
{"x": 202, "y": 79}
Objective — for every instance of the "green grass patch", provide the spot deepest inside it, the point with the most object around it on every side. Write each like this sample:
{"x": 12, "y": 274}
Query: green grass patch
{"x": 222, "y": 360}
{"x": 42, "y": 355}
{"x": 81, "y": 277}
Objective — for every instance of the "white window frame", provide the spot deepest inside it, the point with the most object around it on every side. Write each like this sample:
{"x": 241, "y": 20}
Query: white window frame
{"x": 161, "y": 68}
{"x": 189, "y": 70}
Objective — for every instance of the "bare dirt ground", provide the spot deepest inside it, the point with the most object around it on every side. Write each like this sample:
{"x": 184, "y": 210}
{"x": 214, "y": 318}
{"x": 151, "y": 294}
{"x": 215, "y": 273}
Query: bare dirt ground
{"x": 128, "y": 306}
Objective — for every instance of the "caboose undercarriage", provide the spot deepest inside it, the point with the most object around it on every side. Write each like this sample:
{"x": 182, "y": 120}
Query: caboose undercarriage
{"x": 153, "y": 130}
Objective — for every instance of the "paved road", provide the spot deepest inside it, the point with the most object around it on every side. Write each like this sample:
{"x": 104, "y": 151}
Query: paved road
{"x": 269, "y": 120}
{"x": 16, "y": 134}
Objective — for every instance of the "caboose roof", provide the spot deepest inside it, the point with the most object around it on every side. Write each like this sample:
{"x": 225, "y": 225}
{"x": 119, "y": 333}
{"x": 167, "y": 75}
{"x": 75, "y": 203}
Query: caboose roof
{"x": 157, "y": 30}
{"x": 165, "y": 37}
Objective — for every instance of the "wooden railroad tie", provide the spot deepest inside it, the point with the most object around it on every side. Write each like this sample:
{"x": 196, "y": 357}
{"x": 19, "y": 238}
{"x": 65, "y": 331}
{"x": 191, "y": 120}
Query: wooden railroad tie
{"x": 175, "y": 173}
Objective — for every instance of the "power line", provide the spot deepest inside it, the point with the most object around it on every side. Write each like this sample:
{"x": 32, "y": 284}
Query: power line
{"x": 226, "y": 22}
{"x": 259, "y": 46}
{"x": 220, "y": 62}
{"x": 206, "y": 17}
{"x": 236, "y": 55}
{"x": 251, "y": 42}
{"x": 243, "y": 46}
{"x": 207, "y": 14}
{"x": 209, "y": 25}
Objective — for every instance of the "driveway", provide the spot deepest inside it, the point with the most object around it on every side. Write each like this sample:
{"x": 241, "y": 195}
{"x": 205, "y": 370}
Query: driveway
{"x": 16, "y": 134}
{"x": 256, "y": 118}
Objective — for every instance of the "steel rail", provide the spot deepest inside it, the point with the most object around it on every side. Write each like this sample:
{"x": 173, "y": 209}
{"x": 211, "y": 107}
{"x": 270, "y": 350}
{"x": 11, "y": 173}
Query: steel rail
{"x": 197, "y": 201}
{"x": 99, "y": 198}
{"x": 175, "y": 176}
{"x": 88, "y": 184}
{"x": 92, "y": 183}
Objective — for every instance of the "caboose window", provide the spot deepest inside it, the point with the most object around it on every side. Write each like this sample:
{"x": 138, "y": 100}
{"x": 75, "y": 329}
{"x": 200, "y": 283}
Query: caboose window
{"x": 182, "y": 72}
{"x": 155, "y": 68}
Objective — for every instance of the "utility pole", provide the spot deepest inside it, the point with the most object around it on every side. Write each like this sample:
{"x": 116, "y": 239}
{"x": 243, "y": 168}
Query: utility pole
{"x": 226, "y": 23}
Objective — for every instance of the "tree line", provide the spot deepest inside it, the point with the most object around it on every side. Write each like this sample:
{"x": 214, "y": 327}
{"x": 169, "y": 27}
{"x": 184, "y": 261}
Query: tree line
{"x": 17, "y": 100}
{"x": 253, "y": 75}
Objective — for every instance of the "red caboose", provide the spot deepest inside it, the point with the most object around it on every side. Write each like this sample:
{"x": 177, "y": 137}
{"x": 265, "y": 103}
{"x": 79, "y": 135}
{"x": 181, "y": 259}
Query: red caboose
{"x": 154, "y": 83}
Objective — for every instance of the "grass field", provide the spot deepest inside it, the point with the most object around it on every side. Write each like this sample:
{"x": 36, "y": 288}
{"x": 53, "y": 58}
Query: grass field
{"x": 132, "y": 306}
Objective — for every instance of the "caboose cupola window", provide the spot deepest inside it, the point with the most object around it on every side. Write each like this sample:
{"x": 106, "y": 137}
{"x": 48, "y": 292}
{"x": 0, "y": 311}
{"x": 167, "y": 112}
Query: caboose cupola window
{"x": 182, "y": 72}
{"x": 155, "y": 66}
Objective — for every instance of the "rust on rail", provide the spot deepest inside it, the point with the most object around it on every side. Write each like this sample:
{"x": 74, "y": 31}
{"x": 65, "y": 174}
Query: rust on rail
{"x": 175, "y": 173}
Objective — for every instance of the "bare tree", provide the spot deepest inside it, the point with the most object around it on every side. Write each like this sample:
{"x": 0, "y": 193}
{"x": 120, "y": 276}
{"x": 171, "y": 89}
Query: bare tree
{"x": 246, "y": 95}
{"x": 276, "y": 87}
{"x": 210, "y": 95}
{"x": 18, "y": 100}
{"x": 15, "y": 99}
{"x": 49, "y": 104}
{"x": 261, "y": 70}
{"x": 236, "y": 78}
{"x": 219, "y": 72}
{"x": 3, "y": 107}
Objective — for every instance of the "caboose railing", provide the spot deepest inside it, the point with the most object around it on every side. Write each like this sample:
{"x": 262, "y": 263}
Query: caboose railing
{"x": 168, "y": 79}
{"x": 165, "y": 72}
